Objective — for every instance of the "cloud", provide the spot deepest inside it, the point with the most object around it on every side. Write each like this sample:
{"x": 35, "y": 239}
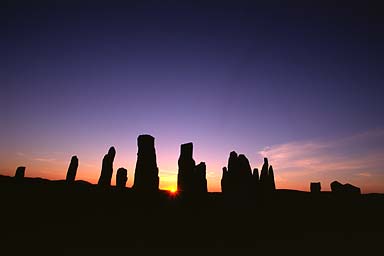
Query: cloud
{"x": 349, "y": 158}
{"x": 45, "y": 159}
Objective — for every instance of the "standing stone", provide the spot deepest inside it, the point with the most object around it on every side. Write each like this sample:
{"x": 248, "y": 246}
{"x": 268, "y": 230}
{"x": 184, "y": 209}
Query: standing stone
{"x": 224, "y": 181}
{"x": 264, "y": 176}
{"x": 72, "y": 169}
{"x": 264, "y": 172}
{"x": 20, "y": 172}
{"x": 271, "y": 179}
{"x": 315, "y": 187}
{"x": 238, "y": 177}
{"x": 121, "y": 177}
{"x": 186, "y": 168}
{"x": 200, "y": 180}
{"x": 107, "y": 168}
{"x": 255, "y": 181}
{"x": 256, "y": 175}
{"x": 146, "y": 171}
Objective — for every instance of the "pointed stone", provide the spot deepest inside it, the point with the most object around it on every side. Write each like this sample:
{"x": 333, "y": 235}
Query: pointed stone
{"x": 72, "y": 169}
{"x": 271, "y": 178}
{"x": 107, "y": 168}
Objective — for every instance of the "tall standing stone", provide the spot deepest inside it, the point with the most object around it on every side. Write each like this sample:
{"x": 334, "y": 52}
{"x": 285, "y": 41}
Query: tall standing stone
{"x": 121, "y": 177}
{"x": 271, "y": 179}
{"x": 264, "y": 172}
{"x": 20, "y": 173}
{"x": 186, "y": 168}
{"x": 225, "y": 181}
{"x": 107, "y": 168}
{"x": 238, "y": 177}
{"x": 200, "y": 180}
{"x": 72, "y": 169}
{"x": 146, "y": 171}
{"x": 255, "y": 181}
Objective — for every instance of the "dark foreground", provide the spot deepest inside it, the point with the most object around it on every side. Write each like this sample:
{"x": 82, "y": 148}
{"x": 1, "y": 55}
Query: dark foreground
{"x": 38, "y": 213}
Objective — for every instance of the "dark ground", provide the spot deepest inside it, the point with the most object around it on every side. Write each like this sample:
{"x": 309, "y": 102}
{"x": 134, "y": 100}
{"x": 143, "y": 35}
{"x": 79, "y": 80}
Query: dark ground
{"x": 37, "y": 213}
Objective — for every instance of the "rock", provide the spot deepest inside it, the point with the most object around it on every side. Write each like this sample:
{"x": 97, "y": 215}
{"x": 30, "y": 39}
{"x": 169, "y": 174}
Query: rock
{"x": 20, "y": 173}
{"x": 191, "y": 178}
{"x": 237, "y": 179}
{"x": 336, "y": 187}
{"x": 121, "y": 177}
{"x": 264, "y": 172}
{"x": 315, "y": 187}
{"x": 200, "y": 180}
{"x": 107, "y": 168}
{"x": 255, "y": 175}
{"x": 271, "y": 179}
{"x": 72, "y": 169}
{"x": 185, "y": 176}
{"x": 224, "y": 181}
{"x": 255, "y": 181}
{"x": 346, "y": 189}
{"x": 146, "y": 171}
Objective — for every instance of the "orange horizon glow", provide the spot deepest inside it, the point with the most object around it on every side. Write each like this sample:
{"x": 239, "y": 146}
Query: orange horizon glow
{"x": 296, "y": 164}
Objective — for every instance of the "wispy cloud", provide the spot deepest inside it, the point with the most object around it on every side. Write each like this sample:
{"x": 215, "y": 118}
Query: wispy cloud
{"x": 357, "y": 156}
{"x": 44, "y": 159}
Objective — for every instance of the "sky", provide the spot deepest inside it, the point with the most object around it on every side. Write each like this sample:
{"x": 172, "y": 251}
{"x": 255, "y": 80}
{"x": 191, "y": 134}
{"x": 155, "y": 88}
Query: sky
{"x": 299, "y": 82}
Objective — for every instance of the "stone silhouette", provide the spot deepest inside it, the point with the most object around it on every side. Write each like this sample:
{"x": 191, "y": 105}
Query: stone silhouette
{"x": 239, "y": 178}
{"x": 186, "y": 168}
{"x": 271, "y": 179}
{"x": 107, "y": 168}
{"x": 225, "y": 180}
{"x": 315, "y": 187}
{"x": 121, "y": 177}
{"x": 255, "y": 181}
{"x": 72, "y": 169}
{"x": 200, "y": 180}
{"x": 344, "y": 189}
{"x": 267, "y": 178}
{"x": 20, "y": 173}
{"x": 191, "y": 178}
{"x": 264, "y": 174}
{"x": 146, "y": 171}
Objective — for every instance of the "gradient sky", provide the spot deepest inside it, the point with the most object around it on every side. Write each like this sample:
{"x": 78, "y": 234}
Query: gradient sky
{"x": 300, "y": 83}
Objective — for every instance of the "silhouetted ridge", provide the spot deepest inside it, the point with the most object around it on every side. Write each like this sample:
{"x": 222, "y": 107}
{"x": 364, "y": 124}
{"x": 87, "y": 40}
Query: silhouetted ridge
{"x": 191, "y": 178}
{"x": 146, "y": 171}
{"x": 72, "y": 169}
{"x": 121, "y": 177}
{"x": 20, "y": 172}
{"x": 107, "y": 168}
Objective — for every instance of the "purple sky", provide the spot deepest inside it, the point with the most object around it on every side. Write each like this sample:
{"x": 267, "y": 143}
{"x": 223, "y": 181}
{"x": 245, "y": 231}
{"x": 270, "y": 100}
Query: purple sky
{"x": 301, "y": 83}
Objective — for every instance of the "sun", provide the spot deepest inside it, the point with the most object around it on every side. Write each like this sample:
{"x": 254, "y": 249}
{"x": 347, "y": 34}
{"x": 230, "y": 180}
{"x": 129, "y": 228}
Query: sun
{"x": 173, "y": 190}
